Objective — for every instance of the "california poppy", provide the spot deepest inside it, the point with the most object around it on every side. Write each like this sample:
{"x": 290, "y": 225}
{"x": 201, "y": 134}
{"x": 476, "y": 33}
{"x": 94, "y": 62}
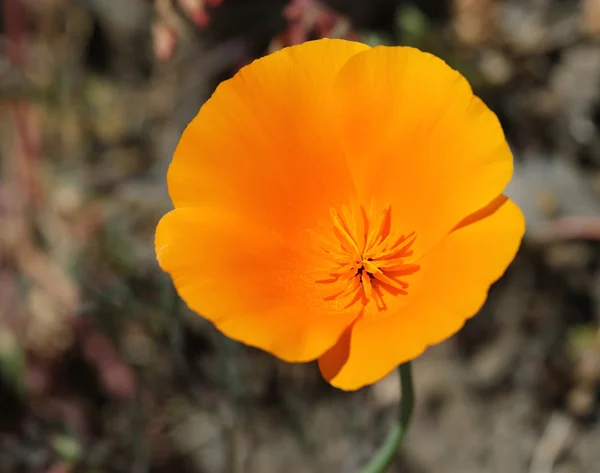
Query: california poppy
{"x": 341, "y": 203}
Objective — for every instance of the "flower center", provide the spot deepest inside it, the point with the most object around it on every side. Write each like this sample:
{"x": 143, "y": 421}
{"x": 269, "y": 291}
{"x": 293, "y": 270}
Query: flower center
{"x": 368, "y": 258}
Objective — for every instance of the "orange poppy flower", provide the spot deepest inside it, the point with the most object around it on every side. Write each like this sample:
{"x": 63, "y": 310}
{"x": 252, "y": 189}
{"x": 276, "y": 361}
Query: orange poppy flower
{"x": 341, "y": 203}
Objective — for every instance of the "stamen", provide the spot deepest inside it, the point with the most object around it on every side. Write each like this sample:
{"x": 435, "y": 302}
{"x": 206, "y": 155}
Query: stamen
{"x": 378, "y": 298}
{"x": 366, "y": 282}
{"x": 369, "y": 258}
{"x": 342, "y": 232}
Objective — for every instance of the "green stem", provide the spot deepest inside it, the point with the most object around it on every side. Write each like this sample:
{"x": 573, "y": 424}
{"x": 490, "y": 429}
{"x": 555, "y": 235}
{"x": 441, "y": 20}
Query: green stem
{"x": 382, "y": 460}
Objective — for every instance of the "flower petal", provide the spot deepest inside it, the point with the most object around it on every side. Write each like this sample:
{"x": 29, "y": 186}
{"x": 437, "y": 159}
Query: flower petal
{"x": 249, "y": 281}
{"x": 415, "y": 136}
{"x": 262, "y": 146}
{"x": 455, "y": 278}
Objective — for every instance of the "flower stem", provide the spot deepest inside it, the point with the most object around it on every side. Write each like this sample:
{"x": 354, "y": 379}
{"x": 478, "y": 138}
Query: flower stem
{"x": 382, "y": 460}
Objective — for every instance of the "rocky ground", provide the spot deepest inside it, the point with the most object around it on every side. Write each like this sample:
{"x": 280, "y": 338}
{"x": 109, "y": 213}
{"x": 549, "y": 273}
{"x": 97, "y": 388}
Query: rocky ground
{"x": 104, "y": 370}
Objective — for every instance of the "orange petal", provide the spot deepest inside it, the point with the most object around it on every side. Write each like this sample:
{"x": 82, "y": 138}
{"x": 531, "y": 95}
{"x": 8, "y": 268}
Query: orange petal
{"x": 415, "y": 136}
{"x": 249, "y": 281}
{"x": 483, "y": 212}
{"x": 453, "y": 285}
{"x": 262, "y": 145}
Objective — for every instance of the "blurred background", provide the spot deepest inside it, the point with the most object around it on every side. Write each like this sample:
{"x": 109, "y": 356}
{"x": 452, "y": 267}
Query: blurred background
{"x": 104, "y": 370}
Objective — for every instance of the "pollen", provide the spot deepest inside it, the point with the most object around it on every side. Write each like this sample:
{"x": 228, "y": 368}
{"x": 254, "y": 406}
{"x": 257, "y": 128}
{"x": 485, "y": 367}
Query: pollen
{"x": 367, "y": 258}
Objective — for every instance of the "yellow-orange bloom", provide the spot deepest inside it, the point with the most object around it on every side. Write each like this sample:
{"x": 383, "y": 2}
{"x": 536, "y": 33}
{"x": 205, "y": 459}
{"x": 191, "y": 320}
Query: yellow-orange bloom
{"x": 341, "y": 203}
